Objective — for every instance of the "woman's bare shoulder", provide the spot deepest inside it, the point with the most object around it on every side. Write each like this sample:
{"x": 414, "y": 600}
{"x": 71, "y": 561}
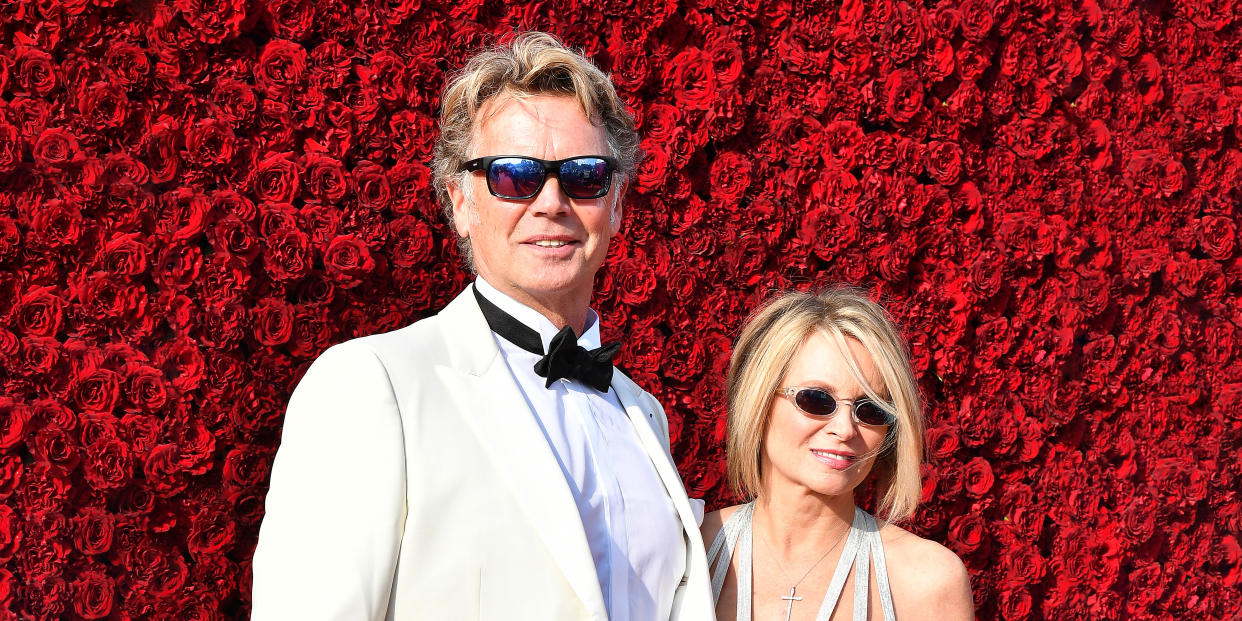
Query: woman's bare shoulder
{"x": 714, "y": 521}
{"x": 926, "y": 575}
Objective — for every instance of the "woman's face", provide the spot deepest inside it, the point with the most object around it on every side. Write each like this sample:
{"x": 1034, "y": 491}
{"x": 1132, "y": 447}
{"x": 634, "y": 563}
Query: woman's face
{"x": 828, "y": 457}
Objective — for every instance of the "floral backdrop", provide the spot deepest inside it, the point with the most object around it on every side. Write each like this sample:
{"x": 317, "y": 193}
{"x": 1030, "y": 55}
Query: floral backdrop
{"x": 196, "y": 198}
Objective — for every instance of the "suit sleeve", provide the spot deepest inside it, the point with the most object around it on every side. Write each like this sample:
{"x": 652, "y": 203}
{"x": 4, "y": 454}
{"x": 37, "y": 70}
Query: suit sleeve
{"x": 332, "y": 529}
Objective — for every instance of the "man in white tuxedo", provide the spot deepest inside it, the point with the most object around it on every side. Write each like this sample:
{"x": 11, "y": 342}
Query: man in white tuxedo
{"x": 454, "y": 470}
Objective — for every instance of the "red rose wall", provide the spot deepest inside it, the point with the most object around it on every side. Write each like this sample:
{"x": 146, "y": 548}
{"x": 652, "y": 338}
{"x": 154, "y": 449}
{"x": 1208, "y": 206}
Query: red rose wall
{"x": 199, "y": 197}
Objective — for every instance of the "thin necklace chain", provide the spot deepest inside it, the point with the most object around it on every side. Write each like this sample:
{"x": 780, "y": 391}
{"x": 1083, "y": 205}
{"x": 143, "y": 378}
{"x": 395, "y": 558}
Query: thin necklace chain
{"x": 812, "y": 568}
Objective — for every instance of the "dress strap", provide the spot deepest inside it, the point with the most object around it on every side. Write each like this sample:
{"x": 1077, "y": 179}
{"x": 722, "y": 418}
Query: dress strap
{"x": 733, "y": 535}
{"x": 881, "y": 568}
{"x": 862, "y": 546}
{"x": 852, "y": 545}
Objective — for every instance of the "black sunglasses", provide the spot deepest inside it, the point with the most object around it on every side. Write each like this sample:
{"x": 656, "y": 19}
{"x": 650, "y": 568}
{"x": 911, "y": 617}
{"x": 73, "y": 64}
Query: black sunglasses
{"x": 820, "y": 403}
{"x": 517, "y": 177}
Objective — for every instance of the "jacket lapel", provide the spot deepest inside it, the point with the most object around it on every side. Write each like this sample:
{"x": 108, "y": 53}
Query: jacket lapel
{"x": 494, "y": 407}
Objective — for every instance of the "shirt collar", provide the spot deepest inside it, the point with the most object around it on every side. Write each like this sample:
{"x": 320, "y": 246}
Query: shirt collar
{"x": 535, "y": 320}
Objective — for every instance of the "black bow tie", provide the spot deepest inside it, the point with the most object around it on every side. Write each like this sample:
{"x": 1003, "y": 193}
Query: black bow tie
{"x": 565, "y": 358}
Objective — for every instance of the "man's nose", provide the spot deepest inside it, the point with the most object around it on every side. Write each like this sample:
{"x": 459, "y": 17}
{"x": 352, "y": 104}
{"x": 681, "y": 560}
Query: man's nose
{"x": 550, "y": 199}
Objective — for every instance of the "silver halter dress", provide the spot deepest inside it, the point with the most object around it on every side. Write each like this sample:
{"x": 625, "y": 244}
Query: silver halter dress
{"x": 861, "y": 547}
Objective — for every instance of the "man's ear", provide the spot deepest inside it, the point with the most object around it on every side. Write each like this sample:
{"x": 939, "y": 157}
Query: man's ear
{"x": 617, "y": 213}
{"x": 461, "y": 208}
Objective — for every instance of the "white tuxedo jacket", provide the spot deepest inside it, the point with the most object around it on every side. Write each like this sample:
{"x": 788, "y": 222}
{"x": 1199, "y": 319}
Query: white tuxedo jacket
{"x": 413, "y": 482}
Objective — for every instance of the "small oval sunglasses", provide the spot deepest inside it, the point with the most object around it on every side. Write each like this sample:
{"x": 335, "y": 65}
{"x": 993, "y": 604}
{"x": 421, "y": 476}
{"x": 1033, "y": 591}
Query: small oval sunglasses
{"x": 819, "y": 403}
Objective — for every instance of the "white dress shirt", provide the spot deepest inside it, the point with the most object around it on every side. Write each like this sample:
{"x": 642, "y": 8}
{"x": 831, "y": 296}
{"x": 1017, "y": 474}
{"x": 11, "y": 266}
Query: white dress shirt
{"x": 633, "y": 530}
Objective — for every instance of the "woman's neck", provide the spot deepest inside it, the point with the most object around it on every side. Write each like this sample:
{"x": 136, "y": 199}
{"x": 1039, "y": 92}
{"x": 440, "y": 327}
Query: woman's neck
{"x": 798, "y": 523}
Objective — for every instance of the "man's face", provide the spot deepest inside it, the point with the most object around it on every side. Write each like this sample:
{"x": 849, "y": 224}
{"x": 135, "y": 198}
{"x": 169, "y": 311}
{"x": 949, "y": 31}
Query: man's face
{"x": 543, "y": 250}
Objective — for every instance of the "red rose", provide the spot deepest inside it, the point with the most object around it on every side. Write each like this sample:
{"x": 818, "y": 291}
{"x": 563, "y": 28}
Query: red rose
{"x": 93, "y": 530}
{"x": 128, "y": 63}
{"x": 124, "y": 255}
{"x": 944, "y": 162}
{"x": 903, "y": 34}
{"x": 348, "y": 261}
{"x": 408, "y": 182}
{"x": 281, "y": 67}
{"x": 39, "y": 312}
{"x": 230, "y": 203}
{"x": 231, "y": 237}
{"x": 978, "y": 477}
{"x": 329, "y": 64}
{"x": 103, "y": 105}
{"x": 290, "y": 19}
{"x": 182, "y": 214}
{"x": 210, "y": 142}
{"x": 57, "y": 150}
{"x": 326, "y": 177}
{"x": 942, "y": 441}
{"x": 731, "y": 171}
{"x": 685, "y": 356}
{"x": 372, "y": 188}
{"x": 385, "y": 74}
{"x": 97, "y": 391}
{"x": 1016, "y": 603}
{"x": 222, "y": 324}
{"x": 693, "y": 79}
{"x": 11, "y": 147}
{"x": 321, "y": 223}
{"x": 233, "y": 101}
{"x": 107, "y": 464}
{"x": 195, "y": 447}
{"x": 311, "y": 332}
{"x": 635, "y": 280}
{"x": 1217, "y": 236}
{"x": 93, "y": 594}
{"x": 181, "y": 360}
{"x": 211, "y": 531}
{"x": 14, "y": 418}
{"x": 163, "y": 475}
{"x": 903, "y": 95}
{"x": 653, "y": 170}
{"x": 276, "y": 178}
{"x": 287, "y": 256}
{"x": 968, "y": 534}
{"x": 140, "y": 432}
{"x": 33, "y": 70}
{"x": 10, "y": 533}
{"x": 177, "y": 267}
{"x": 410, "y": 242}
{"x": 145, "y": 387}
{"x": 52, "y": 447}
{"x": 272, "y": 320}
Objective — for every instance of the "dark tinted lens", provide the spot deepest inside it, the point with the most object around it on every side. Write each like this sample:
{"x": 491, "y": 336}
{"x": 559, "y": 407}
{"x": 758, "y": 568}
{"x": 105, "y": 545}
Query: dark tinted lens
{"x": 869, "y": 413}
{"x": 585, "y": 177}
{"x": 815, "y": 402}
{"x": 515, "y": 177}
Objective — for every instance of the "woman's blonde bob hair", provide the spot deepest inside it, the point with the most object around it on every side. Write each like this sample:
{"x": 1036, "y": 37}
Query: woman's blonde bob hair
{"x": 535, "y": 63}
{"x": 769, "y": 341}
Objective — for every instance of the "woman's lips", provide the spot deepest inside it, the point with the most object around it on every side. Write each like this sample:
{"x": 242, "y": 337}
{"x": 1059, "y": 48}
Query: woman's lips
{"x": 835, "y": 459}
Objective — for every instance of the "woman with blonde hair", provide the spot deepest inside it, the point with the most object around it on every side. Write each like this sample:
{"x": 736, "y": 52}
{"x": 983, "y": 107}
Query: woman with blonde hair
{"x": 820, "y": 396}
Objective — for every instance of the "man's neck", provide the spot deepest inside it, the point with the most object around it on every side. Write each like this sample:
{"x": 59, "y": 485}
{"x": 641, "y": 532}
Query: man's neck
{"x": 563, "y": 309}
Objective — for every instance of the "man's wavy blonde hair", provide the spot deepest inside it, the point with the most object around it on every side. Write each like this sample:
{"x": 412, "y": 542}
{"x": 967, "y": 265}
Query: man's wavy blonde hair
{"x": 761, "y": 358}
{"x": 535, "y": 63}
